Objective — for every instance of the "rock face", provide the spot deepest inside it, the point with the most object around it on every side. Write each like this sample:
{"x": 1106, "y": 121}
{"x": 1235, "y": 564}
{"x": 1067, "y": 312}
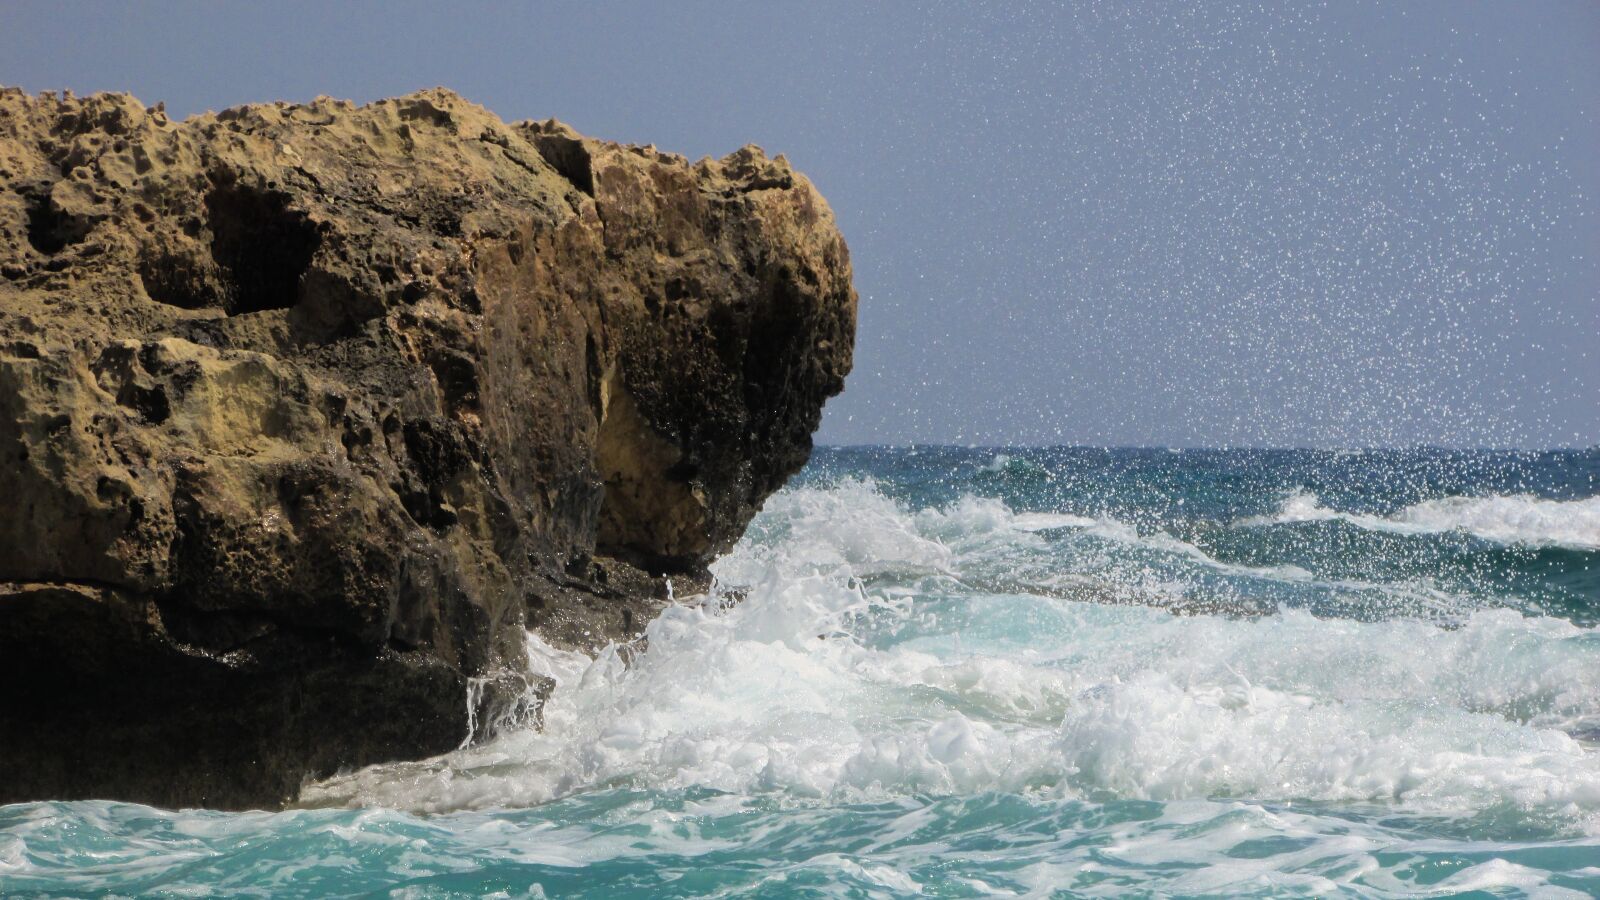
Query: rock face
{"x": 306, "y": 412}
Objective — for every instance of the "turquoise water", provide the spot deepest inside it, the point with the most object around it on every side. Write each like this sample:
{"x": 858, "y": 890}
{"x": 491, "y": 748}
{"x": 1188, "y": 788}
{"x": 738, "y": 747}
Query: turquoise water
{"x": 1011, "y": 672}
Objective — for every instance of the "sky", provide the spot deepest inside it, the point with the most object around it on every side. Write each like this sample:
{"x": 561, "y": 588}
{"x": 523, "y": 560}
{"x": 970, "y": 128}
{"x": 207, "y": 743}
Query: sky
{"x": 1110, "y": 224}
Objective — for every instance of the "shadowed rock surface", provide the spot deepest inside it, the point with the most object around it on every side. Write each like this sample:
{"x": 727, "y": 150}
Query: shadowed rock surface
{"x": 307, "y": 411}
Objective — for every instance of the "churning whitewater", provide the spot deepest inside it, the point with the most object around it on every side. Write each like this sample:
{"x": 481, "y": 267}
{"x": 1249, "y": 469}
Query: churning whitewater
{"x": 970, "y": 672}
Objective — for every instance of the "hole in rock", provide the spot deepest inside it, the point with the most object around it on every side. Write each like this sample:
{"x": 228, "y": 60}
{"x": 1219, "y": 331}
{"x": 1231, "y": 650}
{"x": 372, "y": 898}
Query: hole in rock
{"x": 263, "y": 246}
{"x": 49, "y": 229}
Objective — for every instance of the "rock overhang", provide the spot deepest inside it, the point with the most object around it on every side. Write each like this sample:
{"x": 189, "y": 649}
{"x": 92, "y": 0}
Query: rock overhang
{"x": 295, "y": 396}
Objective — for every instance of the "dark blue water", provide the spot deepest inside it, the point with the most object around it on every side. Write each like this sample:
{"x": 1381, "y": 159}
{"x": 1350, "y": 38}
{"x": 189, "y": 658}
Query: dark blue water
{"x": 970, "y": 672}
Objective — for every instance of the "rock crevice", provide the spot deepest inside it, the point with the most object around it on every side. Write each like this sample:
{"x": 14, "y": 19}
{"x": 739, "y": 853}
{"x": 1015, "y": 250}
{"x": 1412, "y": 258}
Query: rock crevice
{"x": 307, "y": 411}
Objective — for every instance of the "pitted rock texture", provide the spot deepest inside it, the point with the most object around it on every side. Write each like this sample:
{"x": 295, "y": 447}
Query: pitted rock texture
{"x": 308, "y": 411}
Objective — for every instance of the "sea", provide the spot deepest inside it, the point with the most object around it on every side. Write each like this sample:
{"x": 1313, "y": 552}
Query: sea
{"x": 965, "y": 672}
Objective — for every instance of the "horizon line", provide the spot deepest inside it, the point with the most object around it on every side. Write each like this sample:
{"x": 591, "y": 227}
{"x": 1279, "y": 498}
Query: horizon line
{"x": 940, "y": 445}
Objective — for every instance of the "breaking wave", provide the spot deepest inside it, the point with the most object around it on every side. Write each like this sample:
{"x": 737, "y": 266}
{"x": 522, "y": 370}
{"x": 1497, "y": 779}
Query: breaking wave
{"x": 1515, "y": 519}
{"x": 1103, "y": 680}
{"x": 860, "y": 667}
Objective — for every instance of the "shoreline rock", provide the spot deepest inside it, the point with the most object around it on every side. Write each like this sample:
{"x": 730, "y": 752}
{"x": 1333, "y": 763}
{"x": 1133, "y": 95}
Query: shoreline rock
{"x": 307, "y": 411}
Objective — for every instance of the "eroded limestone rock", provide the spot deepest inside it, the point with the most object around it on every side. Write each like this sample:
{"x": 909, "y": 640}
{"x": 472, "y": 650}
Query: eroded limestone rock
{"x": 306, "y": 411}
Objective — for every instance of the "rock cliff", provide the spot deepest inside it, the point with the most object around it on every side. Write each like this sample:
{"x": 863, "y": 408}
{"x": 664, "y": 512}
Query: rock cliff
{"x": 308, "y": 411}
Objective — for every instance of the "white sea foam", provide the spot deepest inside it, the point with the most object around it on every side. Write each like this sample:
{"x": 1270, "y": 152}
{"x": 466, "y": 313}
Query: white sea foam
{"x": 1520, "y": 518}
{"x": 1513, "y": 519}
{"x": 817, "y": 686}
{"x": 1032, "y": 521}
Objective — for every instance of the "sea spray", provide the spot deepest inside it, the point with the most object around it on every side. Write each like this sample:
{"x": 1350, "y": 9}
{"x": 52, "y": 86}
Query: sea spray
{"x": 860, "y": 665}
{"x": 926, "y": 672}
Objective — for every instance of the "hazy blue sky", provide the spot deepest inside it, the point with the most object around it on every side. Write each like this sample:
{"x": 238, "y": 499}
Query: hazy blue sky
{"x": 1284, "y": 224}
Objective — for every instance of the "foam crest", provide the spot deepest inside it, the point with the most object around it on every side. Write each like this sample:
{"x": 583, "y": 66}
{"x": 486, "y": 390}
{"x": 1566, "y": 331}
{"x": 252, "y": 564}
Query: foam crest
{"x": 850, "y": 525}
{"x": 1513, "y": 519}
